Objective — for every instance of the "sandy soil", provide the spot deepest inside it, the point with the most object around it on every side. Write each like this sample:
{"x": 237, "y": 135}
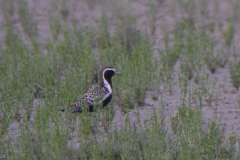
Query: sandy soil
{"x": 85, "y": 14}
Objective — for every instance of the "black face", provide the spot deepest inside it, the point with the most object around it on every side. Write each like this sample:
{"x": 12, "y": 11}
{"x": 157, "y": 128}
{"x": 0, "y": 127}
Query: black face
{"x": 109, "y": 73}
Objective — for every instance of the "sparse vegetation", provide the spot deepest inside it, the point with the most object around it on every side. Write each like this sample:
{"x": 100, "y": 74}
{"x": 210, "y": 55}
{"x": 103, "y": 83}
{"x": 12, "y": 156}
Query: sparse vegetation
{"x": 234, "y": 67}
{"x": 37, "y": 82}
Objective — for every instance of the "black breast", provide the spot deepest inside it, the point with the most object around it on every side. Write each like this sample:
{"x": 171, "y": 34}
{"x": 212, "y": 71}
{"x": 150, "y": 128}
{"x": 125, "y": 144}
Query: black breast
{"x": 107, "y": 100}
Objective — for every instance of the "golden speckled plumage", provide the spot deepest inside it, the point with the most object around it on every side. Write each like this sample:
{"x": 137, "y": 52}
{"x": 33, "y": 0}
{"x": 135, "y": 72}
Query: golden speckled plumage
{"x": 100, "y": 94}
{"x": 91, "y": 98}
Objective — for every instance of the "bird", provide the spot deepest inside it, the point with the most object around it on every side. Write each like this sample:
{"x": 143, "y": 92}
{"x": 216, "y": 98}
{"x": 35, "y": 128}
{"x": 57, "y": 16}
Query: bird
{"x": 101, "y": 94}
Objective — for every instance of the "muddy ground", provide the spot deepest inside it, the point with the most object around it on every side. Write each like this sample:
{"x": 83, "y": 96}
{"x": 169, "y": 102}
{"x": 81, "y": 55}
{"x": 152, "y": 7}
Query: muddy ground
{"x": 85, "y": 14}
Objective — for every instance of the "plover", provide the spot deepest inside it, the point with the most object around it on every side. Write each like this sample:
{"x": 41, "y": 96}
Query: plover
{"x": 101, "y": 94}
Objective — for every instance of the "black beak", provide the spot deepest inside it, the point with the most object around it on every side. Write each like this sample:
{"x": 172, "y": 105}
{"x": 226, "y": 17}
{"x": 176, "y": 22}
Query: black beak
{"x": 116, "y": 73}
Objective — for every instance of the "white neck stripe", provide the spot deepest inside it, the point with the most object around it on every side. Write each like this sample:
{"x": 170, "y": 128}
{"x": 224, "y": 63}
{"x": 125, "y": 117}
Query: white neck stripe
{"x": 106, "y": 84}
